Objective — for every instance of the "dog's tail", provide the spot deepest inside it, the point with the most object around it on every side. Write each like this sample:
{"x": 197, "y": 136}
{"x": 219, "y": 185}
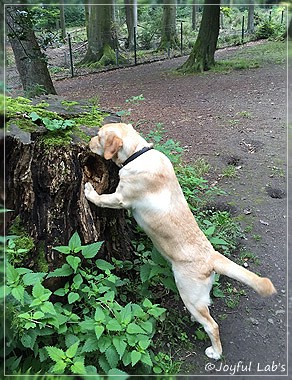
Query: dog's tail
{"x": 262, "y": 285}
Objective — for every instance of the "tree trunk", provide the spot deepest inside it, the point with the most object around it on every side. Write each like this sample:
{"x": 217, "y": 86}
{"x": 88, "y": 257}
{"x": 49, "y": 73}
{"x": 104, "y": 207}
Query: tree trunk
{"x": 102, "y": 36}
{"x": 202, "y": 55}
{"x": 30, "y": 61}
{"x": 250, "y": 19}
{"x": 168, "y": 35}
{"x": 62, "y": 19}
{"x": 45, "y": 190}
{"x": 194, "y": 15}
{"x": 131, "y": 21}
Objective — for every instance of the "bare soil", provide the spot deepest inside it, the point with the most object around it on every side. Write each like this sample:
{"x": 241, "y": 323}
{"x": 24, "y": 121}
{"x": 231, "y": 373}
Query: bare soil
{"x": 236, "y": 119}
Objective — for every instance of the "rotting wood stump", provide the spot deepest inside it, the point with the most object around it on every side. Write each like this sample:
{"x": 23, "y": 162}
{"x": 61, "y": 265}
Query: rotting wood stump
{"x": 45, "y": 190}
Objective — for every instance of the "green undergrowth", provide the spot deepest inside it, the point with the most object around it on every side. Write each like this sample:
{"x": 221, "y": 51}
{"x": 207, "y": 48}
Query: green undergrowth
{"x": 60, "y": 130}
{"x": 253, "y": 56}
{"x": 114, "y": 317}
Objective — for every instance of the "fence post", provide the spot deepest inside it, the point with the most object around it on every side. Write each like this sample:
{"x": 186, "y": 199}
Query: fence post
{"x": 117, "y": 57}
{"x": 71, "y": 57}
{"x": 270, "y": 16}
{"x": 135, "y": 46}
{"x": 282, "y": 17}
{"x": 242, "y": 30}
{"x": 181, "y": 38}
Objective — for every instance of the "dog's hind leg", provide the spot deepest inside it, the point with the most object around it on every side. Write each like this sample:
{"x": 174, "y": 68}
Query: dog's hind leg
{"x": 195, "y": 296}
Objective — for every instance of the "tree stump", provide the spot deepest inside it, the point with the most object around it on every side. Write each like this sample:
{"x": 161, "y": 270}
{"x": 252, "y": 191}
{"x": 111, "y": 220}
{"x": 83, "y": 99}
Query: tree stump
{"x": 45, "y": 190}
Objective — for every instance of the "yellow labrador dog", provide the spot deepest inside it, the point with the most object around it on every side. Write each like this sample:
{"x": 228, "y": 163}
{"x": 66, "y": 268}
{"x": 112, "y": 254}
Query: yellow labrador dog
{"x": 149, "y": 188}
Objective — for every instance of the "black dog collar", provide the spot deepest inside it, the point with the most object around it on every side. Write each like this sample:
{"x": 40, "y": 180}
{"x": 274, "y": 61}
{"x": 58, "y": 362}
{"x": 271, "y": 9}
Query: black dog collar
{"x": 135, "y": 155}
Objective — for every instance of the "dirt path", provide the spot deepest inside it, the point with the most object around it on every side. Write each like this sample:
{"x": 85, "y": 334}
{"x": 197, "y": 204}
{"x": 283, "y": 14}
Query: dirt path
{"x": 237, "y": 119}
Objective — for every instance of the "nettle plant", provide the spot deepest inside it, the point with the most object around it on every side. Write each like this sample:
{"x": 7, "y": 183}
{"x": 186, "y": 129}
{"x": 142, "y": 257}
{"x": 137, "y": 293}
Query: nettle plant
{"x": 52, "y": 124}
{"x": 91, "y": 331}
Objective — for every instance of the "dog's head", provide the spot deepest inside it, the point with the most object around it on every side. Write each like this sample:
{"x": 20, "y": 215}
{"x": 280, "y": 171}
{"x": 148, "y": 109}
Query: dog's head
{"x": 116, "y": 141}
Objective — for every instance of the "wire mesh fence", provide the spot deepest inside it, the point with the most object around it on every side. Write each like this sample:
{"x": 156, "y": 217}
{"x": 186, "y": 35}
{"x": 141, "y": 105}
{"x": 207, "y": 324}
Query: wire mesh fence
{"x": 65, "y": 56}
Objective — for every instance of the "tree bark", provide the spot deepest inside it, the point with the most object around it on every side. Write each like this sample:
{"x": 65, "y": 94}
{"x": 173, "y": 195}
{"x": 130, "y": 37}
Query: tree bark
{"x": 45, "y": 188}
{"x": 202, "y": 55}
{"x": 131, "y": 21}
{"x": 102, "y": 36}
{"x": 194, "y": 15}
{"x": 62, "y": 19}
{"x": 30, "y": 61}
{"x": 168, "y": 35}
{"x": 250, "y": 19}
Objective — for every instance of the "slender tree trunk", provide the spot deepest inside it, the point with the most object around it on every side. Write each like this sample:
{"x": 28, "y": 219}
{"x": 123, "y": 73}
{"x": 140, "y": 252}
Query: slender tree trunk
{"x": 102, "y": 37}
{"x": 62, "y": 19}
{"x": 202, "y": 55}
{"x": 131, "y": 21}
{"x": 30, "y": 61}
{"x": 250, "y": 19}
{"x": 194, "y": 15}
{"x": 168, "y": 35}
{"x": 87, "y": 12}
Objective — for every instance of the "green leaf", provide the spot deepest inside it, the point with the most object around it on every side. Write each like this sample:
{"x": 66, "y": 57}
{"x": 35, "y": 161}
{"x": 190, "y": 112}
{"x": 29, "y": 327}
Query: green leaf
{"x": 89, "y": 251}
{"x": 26, "y": 341}
{"x": 117, "y": 372}
{"x": 99, "y": 315}
{"x": 104, "y": 265}
{"x": 217, "y": 241}
{"x": 157, "y": 257}
{"x": 147, "y": 326}
{"x": 145, "y": 270}
{"x": 133, "y": 328}
{"x": 18, "y": 293}
{"x": 135, "y": 357}
{"x": 48, "y": 307}
{"x": 78, "y": 368}
{"x": 59, "y": 367}
{"x": 126, "y": 314}
{"x": 12, "y": 274}
{"x": 73, "y": 297}
{"x": 146, "y": 358}
{"x": 73, "y": 261}
{"x": 147, "y": 303}
{"x": 90, "y": 345}
{"x": 87, "y": 325}
{"x": 103, "y": 343}
{"x": 61, "y": 292}
{"x": 217, "y": 292}
{"x": 113, "y": 325}
{"x": 144, "y": 342}
{"x": 112, "y": 356}
{"x": 38, "y": 315}
{"x": 91, "y": 370}
{"x": 64, "y": 271}
{"x": 209, "y": 231}
{"x": 98, "y": 331}
{"x": 62, "y": 248}
{"x": 71, "y": 352}
{"x": 56, "y": 354}
{"x": 34, "y": 116}
{"x": 78, "y": 280}
{"x": 120, "y": 345}
{"x": 71, "y": 339}
{"x": 32, "y": 278}
{"x": 156, "y": 312}
{"x": 75, "y": 243}
{"x": 102, "y": 361}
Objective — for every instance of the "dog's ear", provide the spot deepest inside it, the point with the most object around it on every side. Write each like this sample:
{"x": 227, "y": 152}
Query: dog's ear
{"x": 112, "y": 145}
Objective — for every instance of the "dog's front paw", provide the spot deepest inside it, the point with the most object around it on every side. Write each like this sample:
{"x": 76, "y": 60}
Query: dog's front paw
{"x": 90, "y": 193}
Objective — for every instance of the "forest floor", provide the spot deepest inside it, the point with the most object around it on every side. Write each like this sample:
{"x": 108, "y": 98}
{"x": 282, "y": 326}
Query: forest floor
{"x": 235, "y": 119}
